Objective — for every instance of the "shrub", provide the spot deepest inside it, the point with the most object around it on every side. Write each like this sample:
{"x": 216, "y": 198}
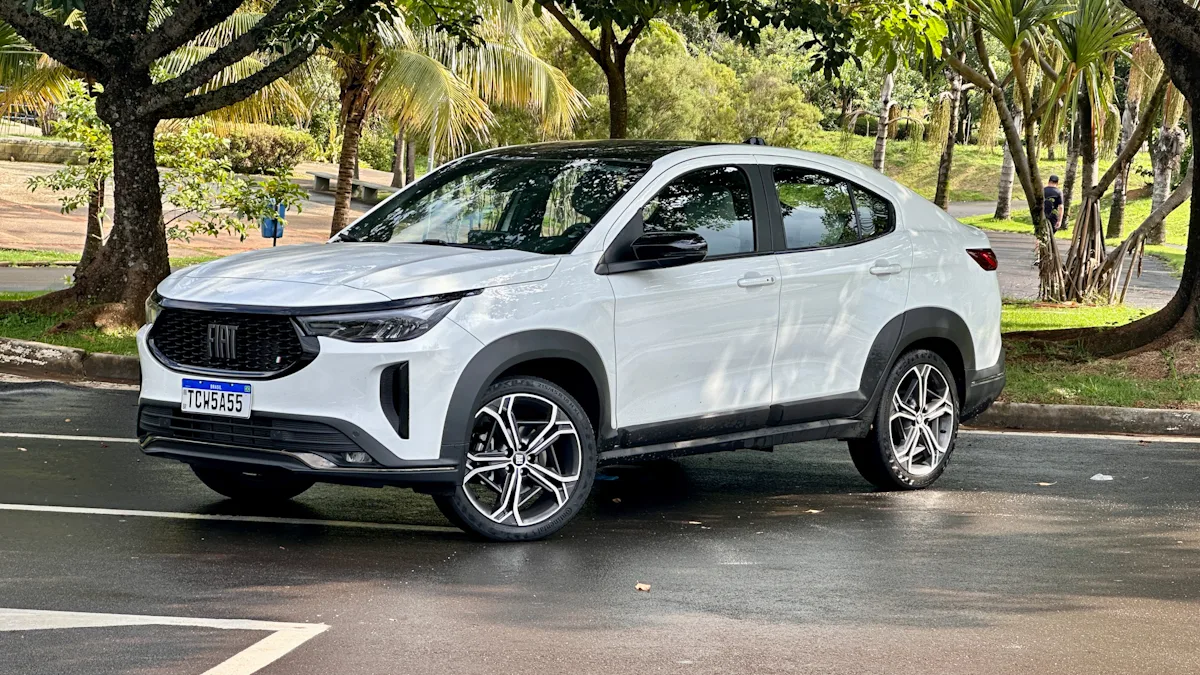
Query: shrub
{"x": 377, "y": 148}
{"x": 261, "y": 148}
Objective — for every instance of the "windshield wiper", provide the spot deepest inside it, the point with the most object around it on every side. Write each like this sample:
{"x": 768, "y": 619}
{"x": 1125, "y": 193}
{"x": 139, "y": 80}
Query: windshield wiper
{"x": 347, "y": 238}
{"x": 443, "y": 242}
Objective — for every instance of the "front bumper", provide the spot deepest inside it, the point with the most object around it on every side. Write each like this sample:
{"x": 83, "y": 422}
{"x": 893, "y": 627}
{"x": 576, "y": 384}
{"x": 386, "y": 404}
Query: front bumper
{"x": 340, "y": 397}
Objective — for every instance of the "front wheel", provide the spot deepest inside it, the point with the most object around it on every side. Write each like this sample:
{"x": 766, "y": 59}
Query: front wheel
{"x": 529, "y": 466}
{"x": 914, "y": 428}
{"x": 258, "y": 488}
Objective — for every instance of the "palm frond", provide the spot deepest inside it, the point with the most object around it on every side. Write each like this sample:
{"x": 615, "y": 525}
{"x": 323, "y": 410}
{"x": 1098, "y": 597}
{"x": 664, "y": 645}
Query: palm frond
{"x": 425, "y": 94}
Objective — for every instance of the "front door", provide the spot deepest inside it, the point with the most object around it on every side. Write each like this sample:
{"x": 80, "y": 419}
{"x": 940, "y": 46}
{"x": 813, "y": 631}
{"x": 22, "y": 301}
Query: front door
{"x": 694, "y": 343}
{"x": 844, "y": 278}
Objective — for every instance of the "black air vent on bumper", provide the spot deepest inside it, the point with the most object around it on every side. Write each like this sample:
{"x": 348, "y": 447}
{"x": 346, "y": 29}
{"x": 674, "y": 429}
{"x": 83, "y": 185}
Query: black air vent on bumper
{"x": 257, "y": 432}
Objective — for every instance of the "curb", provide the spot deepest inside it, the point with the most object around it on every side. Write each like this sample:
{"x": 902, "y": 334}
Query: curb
{"x": 43, "y": 359}
{"x": 1089, "y": 419}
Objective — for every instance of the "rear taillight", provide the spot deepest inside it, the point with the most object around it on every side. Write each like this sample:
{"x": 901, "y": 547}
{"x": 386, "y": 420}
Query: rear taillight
{"x": 986, "y": 258}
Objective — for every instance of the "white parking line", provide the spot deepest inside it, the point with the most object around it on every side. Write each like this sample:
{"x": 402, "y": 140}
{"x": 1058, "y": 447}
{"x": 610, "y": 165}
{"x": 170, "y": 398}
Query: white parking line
{"x": 283, "y": 639}
{"x": 62, "y": 437}
{"x": 176, "y": 515}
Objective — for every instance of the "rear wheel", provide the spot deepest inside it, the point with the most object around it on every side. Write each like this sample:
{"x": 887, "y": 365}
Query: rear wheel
{"x": 529, "y": 466}
{"x": 262, "y": 488}
{"x": 915, "y": 426}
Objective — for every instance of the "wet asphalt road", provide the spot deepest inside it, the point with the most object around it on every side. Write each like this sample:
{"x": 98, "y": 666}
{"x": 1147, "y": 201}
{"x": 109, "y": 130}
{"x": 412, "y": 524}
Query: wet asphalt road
{"x": 759, "y": 563}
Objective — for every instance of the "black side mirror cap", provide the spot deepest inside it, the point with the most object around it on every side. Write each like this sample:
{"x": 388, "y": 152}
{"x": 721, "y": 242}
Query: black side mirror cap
{"x": 659, "y": 250}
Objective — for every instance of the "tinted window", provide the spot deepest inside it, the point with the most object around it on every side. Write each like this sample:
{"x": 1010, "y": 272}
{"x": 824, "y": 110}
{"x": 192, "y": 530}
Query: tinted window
{"x": 874, "y": 213}
{"x": 816, "y": 209}
{"x": 539, "y": 205}
{"x": 714, "y": 203}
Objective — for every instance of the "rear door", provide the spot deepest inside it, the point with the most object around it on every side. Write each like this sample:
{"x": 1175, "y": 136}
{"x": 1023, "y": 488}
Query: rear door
{"x": 694, "y": 343}
{"x": 845, "y": 274}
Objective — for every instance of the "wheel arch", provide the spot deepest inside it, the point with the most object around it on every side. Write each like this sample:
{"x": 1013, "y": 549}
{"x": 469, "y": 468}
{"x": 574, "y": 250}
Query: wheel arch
{"x": 566, "y": 359}
{"x": 943, "y": 332}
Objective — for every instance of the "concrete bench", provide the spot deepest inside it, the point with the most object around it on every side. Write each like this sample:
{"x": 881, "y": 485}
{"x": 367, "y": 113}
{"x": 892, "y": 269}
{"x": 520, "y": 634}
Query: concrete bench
{"x": 365, "y": 190}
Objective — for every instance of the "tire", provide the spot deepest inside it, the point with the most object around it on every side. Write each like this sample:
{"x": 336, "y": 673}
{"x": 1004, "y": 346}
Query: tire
{"x": 550, "y": 473}
{"x": 890, "y": 457}
{"x": 253, "y": 488}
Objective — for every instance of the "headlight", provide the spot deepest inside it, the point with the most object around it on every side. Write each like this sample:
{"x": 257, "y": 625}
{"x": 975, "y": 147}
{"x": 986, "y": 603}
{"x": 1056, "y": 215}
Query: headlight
{"x": 392, "y": 325}
{"x": 153, "y": 309}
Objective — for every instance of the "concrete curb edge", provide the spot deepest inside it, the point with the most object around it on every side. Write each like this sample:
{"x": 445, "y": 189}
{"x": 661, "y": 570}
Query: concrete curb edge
{"x": 38, "y": 358}
{"x": 1089, "y": 419}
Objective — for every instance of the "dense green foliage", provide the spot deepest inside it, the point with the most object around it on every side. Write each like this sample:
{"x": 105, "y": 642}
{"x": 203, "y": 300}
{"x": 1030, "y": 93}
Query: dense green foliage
{"x": 262, "y": 148}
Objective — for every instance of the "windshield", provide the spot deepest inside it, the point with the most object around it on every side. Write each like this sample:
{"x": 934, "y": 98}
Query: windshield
{"x": 538, "y": 205}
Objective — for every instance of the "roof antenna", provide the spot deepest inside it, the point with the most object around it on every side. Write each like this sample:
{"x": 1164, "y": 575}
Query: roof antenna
{"x": 755, "y": 140}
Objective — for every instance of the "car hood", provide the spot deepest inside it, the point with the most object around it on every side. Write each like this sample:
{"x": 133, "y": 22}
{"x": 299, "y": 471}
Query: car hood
{"x": 374, "y": 272}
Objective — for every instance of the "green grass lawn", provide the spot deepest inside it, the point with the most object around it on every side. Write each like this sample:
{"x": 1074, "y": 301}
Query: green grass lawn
{"x": 13, "y": 255}
{"x": 1023, "y": 316}
{"x": 25, "y": 325}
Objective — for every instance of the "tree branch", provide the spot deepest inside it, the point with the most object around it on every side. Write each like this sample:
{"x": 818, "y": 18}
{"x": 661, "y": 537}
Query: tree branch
{"x": 70, "y": 47}
{"x": 234, "y": 92}
{"x": 176, "y": 88}
{"x": 634, "y": 32}
{"x": 1140, "y": 133}
{"x": 574, "y": 31}
{"x": 186, "y": 21}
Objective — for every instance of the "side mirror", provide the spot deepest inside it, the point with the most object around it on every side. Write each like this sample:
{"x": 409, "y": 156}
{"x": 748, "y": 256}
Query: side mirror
{"x": 670, "y": 249}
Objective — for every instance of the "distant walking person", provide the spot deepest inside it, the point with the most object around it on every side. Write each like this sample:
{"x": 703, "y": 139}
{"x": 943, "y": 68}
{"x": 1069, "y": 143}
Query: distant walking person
{"x": 1052, "y": 204}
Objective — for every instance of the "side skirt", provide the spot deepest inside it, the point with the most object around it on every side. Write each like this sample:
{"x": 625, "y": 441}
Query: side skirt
{"x": 757, "y": 439}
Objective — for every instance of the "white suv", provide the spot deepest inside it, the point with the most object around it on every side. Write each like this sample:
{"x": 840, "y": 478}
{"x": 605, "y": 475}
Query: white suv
{"x": 494, "y": 332}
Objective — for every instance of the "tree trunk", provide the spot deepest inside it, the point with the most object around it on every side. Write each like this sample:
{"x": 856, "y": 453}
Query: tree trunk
{"x": 1165, "y": 152}
{"x": 618, "y": 102}
{"x": 1116, "y": 215}
{"x": 94, "y": 238}
{"x": 881, "y": 133}
{"x": 1072, "y": 169}
{"x": 942, "y": 196}
{"x": 398, "y": 159}
{"x": 410, "y": 161}
{"x": 129, "y": 266}
{"x": 356, "y": 95}
{"x": 1087, "y": 144}
{"x": 1008, "y": 171}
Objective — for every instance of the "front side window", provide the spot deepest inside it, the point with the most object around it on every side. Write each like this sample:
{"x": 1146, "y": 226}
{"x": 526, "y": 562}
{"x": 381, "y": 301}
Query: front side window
{"x": 714, "y": 203}
{"x": 530, "y": 204}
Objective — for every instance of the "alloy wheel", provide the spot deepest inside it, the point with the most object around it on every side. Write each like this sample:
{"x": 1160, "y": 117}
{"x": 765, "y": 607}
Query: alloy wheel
{"x": 922, "y": 423}
{"x": 524, "y": 461}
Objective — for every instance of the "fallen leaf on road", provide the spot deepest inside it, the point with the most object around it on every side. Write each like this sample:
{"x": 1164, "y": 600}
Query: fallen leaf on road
{"x": 1048, "y": 484}
{"x": 813, "y": 511}
{"x": 1143, "y": 442}
{"x": 23, "y": 449}
{"x": 694, "y": 522}
{"x": 642, "y": 587}
{"x": 616, "y": 500}
{"x": 1102, "y": 476}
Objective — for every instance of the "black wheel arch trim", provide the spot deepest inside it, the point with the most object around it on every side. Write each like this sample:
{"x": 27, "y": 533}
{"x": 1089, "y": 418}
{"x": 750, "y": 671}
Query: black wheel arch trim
{"x": 503, "y": 354}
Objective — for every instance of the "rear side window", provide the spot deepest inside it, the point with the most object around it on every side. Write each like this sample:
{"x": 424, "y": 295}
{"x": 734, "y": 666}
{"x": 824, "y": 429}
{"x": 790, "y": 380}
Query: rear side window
{"x": 714, "y": 203}
{"x": 820, "y": 210}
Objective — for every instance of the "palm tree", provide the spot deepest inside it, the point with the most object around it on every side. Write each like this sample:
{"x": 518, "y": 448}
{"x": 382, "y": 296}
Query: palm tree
{"x": 425, "y": 81}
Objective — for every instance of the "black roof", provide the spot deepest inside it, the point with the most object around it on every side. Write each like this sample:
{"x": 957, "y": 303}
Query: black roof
{"x": 620, "y": 150}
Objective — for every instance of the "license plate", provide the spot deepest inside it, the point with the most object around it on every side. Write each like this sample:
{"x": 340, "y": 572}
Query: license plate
{"x": 227, "y": 399}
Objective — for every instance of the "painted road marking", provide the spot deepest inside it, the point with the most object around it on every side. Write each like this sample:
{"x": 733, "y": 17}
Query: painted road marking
{"x": 88, "y": 511}
{"x": 61, "y": 437}
{"x": 974, "y": 432}
{"x": 283, "y": 639}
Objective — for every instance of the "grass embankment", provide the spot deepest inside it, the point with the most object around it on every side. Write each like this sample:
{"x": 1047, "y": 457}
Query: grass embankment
{"x": 1167, "y": 378}
{"x": 26, "y": 325}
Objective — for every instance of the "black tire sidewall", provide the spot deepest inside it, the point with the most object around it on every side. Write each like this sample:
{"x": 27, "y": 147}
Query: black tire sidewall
{"x": 469, "y": 518}
{"x": 882, "y": 432}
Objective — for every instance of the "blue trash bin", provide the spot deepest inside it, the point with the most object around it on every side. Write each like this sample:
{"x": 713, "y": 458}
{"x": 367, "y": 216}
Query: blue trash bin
{"x": 272, "y": 228}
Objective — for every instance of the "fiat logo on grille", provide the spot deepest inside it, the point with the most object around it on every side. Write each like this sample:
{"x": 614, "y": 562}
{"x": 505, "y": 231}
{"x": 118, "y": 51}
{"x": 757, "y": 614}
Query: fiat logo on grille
{"x": 222, "y": 342}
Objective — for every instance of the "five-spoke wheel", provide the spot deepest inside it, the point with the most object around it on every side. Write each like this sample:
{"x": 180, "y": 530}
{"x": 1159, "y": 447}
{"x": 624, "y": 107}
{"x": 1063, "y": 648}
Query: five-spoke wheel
{"x": 915, "y": 427}
{"x": 530, "y": 464}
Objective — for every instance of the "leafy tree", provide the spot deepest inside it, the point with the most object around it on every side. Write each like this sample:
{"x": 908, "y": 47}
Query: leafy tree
{"x": 121, "y": 50}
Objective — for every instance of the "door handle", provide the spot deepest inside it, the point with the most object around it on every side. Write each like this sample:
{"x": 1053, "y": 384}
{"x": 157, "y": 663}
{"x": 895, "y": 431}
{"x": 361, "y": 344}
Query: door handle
{"x": 756, "y": 280}
{"x": 882, "y": 268}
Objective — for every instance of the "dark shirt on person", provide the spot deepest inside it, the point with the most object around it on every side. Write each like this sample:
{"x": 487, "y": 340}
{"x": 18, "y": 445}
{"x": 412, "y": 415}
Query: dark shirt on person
{"x": 1052, "y": 201}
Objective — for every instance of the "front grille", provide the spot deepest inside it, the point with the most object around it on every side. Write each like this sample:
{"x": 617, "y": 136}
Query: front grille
{"x": 259, "y": 344}
{"x": 257, "y": 432}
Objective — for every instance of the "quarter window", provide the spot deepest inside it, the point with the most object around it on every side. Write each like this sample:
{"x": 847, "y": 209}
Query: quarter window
{"x": 820, "y": 210}
{"x": 714, "y": 203}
